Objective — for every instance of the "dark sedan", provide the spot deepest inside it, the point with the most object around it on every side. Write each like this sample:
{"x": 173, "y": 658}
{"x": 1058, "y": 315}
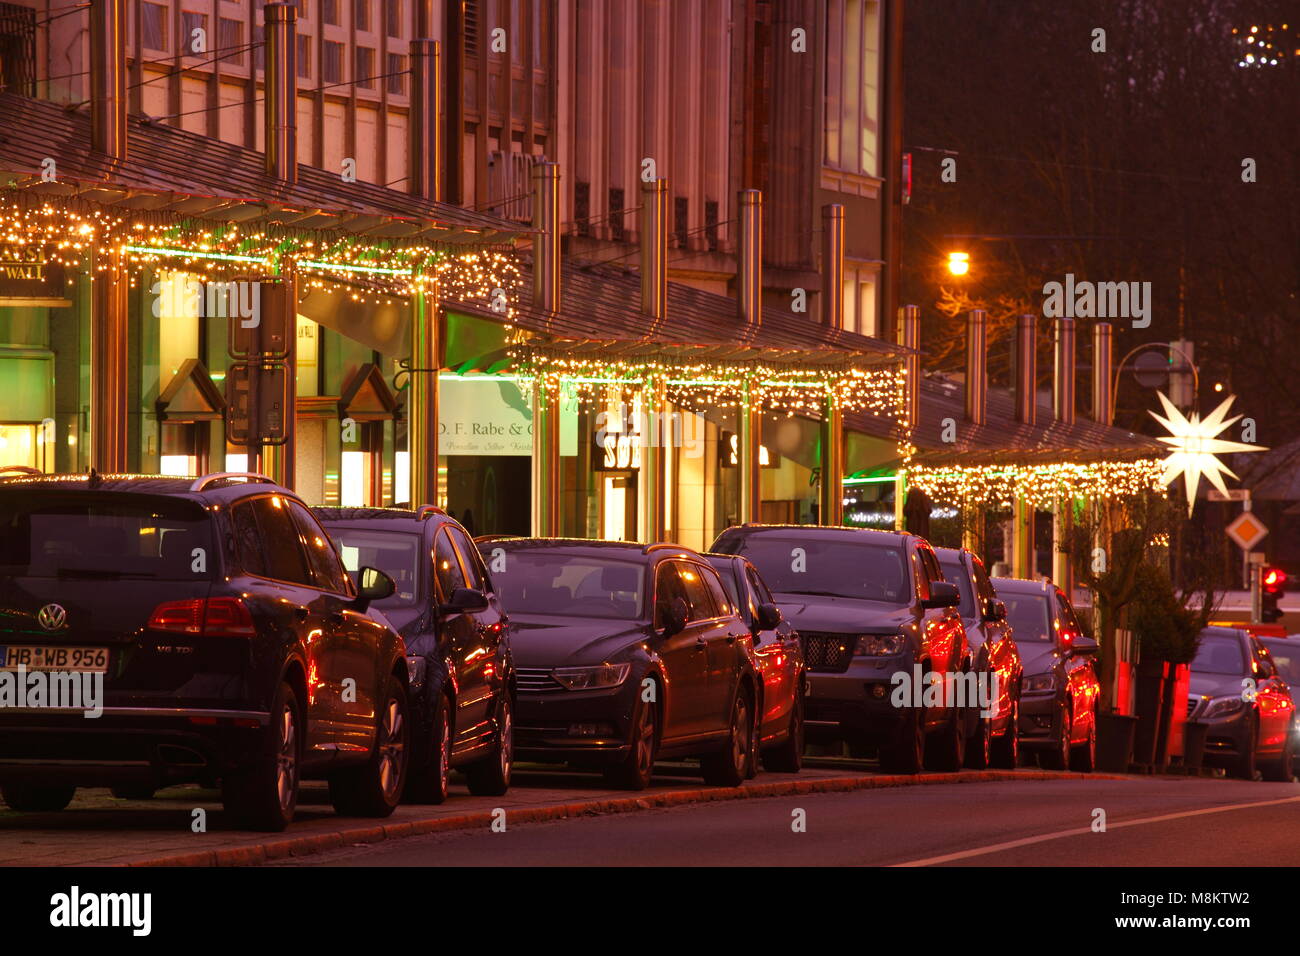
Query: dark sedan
{"x": 1058, "y": 705}
{"x": 625, "y": 654}
{"x": 779, "y": 656}
{"x": 1237, "y": 690}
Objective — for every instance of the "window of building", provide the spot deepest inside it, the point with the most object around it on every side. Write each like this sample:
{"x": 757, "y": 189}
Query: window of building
{"x": 393, "y": 17}
{"x": 365, "y": 74}
{"x": 331, "y": 65}
{"x": 230, "y": 35}
{"x": 304, "y": 55}
{"x": 362, "y": 10}
{"x": 330, "y": 12}
{"x": 396, "y": 70}
{"x": 194, "y": 33}
{"x": 852, "y": 86}
{"x": 860, "y": 301}
{"x": 153, "y": 26}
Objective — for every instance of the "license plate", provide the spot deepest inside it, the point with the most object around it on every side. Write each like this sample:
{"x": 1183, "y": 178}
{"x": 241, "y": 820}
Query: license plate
{"x": 44, "y": 658}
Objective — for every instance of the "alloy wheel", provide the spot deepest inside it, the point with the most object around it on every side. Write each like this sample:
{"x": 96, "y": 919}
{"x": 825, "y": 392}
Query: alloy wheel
{"x": 391, "y": 744}
{"x": 286, "y": 771}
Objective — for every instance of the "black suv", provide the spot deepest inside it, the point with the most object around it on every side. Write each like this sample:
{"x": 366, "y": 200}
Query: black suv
{"x": 234, "y": 647}
{"x": 878, "y": 623}
{"x": 461, "y": 677}
{"x": 625, "y": 654}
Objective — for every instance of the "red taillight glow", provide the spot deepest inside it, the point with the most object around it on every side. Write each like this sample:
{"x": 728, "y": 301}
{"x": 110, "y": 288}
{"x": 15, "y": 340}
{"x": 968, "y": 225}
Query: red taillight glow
{"x": 213, "y": 617}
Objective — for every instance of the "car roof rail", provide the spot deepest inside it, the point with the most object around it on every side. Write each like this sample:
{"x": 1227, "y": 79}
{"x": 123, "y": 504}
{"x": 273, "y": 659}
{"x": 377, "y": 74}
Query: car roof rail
{"x": 659, "y": 545}
{"x": 12, "y": 470}
{"x": 201, "y": 484}
{"x": 429, "y": 511}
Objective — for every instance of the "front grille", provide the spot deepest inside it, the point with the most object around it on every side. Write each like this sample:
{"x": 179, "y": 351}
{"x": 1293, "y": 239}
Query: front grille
{"x": 828, "y": 653}
{"x": 535, "y": 680}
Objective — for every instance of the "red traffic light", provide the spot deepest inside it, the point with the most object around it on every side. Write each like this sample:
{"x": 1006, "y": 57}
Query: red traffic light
{"x": 1273, "y": 580}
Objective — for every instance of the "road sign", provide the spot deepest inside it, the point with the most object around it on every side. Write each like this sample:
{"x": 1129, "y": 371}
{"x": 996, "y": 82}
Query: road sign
{"x": 257, "y": 398}
{"x": 1232, "y": 494}
{"x": 1247, "y": 531}
{"x": 260, "y": 316}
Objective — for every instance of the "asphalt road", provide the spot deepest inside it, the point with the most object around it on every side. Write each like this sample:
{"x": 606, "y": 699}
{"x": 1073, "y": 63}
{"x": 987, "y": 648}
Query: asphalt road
{"x": 1150, "y": 821}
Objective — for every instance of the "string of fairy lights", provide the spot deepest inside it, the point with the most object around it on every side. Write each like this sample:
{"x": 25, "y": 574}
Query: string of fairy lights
{"x": 1040, "y": 485}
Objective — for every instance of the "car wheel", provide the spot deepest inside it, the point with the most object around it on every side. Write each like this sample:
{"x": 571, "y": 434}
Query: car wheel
{"x": 429, "y": 783}
{"x": 264, "y": 795}
{"x": 727, "y": 767}
{"x": 787, "y": 757}
{"x": 1279, "y": 770}
{"x": 634, "y": 771}
{"x": 375, "y": 788}
{"x": 1084, "y": 757}
{"x": 1058, "y": 757}
{"x": 979, "y": 749}
{"x": 1243, "y": 767}
{"x": 36, "y": 797}
{"x": 1005, "y": 750}
{"x": 949, "y": 751}
{"x": 490, "y": 777}
{"x": 906, "y": 753}
{"x": 142, "y": 791}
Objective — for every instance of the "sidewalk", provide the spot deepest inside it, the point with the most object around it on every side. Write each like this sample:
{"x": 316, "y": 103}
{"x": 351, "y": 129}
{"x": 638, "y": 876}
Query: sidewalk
{"x": 99, "y": 830}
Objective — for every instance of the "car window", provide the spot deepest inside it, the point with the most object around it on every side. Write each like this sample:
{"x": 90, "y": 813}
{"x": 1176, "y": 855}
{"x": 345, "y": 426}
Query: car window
{"x": 248, "y": 544}
{"x": 446, "y": 565}
{"x": 983, "y": 586}
{"x": 396, "y": 553}
{"x": 725, "y": 603}
{"x": 735, "y": 592}
{"x": 871, "y": 567}
{"x": 1219, "y": 654}
{"x": 280, "y": 542}
{"x": 1286, "y": 657}
{"x": 469, "y": 558}
{"x": 324, "y": 561}
{"x": 547, "y": 583}
{"x": 761, "y": 594}
{"x": 1066, "y": 613}
{"x": 1266, "y": 668}
{"x": 668, "y": 588}
{"x": 698, "y": 595}
{"x": 1029, "y": 618}
{"x": 955, "y": 573}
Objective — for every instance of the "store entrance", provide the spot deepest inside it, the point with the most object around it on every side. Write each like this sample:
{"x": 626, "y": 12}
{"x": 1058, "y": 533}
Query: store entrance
{"x": 490, "y": 494}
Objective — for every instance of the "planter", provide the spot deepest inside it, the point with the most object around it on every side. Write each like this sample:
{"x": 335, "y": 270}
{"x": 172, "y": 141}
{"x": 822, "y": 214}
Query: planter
{"x": 1151, "y": 677}
{"x": 1194, "y": 735}
{"x": 1172, "y": 716}
{"x": 1115, "y": 742}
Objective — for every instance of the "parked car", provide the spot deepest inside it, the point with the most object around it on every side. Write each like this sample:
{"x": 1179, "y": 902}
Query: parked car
{"x": 1285, "y": 652}
{"x": 779, "y": 655}
{"x": 234, "y": 647}
{"x": 875, "y": 617}
{"x": 993, "y": 740}
{"x": 625, "y": 654}
{"x": 1237, "y": 689}
{"x": 458, "y": 658}
{"x": 1058, "y": 700}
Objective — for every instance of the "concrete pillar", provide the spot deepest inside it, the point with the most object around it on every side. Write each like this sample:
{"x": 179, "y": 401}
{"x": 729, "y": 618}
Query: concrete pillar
{"x": 108, "y": 365}
{"x": 546, "y": 405}
{"x": 422, "y": 395}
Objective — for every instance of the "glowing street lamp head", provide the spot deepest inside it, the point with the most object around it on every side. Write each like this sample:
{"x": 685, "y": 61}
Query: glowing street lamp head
{"x": 959, "y": 263}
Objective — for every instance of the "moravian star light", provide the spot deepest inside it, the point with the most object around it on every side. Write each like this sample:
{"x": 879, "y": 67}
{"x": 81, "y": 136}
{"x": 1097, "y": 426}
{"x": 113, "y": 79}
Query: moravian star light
{"x": 1194, "y": 443}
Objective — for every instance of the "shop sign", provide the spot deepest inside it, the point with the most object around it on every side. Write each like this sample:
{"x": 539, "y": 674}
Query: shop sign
{"x": 31, "y": 281}
{"x": 492, "y": 416}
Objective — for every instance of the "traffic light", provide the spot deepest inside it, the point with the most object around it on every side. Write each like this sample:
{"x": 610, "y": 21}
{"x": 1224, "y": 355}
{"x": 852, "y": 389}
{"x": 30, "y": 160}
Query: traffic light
{"x": 1272, "y": 583}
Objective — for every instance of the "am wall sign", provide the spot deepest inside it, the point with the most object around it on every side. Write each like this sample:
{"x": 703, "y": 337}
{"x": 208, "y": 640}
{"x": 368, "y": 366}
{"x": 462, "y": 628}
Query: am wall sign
{"x": 32, "y": 282}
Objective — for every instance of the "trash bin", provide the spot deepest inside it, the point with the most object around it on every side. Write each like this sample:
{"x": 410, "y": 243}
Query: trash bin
{"x": 1194, "y": 734}
{"x": 1115, "y": 741}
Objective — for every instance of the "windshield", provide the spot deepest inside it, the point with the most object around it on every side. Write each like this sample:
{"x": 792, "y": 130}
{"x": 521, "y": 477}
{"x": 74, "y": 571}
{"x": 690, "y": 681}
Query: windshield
{"x": 562, "y": 585}
{"x": 1286, "y": 655}
{"x": 1028, "y": 617}
{"x": 1219, "y": 655}
{"x": 954, "y": 573}
{"x": 82, "y": 535}
{"x": 396, "y": 553}
{"x": 834, "y": 568}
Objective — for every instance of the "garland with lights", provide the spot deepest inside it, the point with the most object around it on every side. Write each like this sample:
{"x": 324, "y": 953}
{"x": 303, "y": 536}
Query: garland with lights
{"x": 1041, "y": 485}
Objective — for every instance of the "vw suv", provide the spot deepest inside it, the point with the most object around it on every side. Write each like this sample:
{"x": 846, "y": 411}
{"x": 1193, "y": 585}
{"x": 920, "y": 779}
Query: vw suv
{"x": 231, "y": 647}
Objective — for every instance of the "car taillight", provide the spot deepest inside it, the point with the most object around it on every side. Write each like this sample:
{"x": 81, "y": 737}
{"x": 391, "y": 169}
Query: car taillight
{"x": 211, "y": 617}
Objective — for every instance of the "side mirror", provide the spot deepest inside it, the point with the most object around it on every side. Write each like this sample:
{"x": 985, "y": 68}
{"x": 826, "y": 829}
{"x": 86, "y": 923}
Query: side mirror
{"x": 1084, "y": 646}
{"x": 768, "y": 616}
{"x": 995, "y": 610}
{"x": 464, "y": 600}
{"x": 942, "y": 594}
{"x": 374, "y": 585}
{"x": 675, "y": 617}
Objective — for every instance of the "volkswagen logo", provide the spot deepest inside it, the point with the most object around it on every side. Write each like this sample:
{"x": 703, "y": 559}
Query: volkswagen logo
{"x": 53, "y": 617}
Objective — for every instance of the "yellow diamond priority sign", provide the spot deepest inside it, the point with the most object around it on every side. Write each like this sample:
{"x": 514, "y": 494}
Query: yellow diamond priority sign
{"x": 1247, "y": 531}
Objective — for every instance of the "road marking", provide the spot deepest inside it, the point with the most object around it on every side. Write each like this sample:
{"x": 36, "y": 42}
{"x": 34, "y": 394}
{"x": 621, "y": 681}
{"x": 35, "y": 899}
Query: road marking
{"x": 1077, "y": 831}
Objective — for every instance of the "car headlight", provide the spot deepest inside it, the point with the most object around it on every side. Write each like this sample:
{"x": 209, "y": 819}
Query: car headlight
{"x": 587, "y": 678}
{"x": 879, "y": 645}
{"x": 1040, "y": 682}
{"x": 1223, "y": 707}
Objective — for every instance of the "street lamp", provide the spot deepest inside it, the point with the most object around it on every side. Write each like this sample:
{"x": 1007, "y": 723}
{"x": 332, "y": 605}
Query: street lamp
{"x": 959, "y": 263}
{"x": 1196, "y": 373}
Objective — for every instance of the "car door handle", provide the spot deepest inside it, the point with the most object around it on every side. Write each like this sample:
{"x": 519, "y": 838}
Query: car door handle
{"x": 300, "y": 613}
{"x": 701, "y": 643}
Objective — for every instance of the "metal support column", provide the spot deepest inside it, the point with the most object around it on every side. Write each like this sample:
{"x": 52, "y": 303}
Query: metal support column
{"x": 422, "y": 394}
{"x": 109, "y": 365}
{"x": 831, "y": 511}
{"x": 749, "y": 434}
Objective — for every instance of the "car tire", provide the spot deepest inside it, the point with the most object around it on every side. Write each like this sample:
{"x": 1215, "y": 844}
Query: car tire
{"x": 142, "y": 791}
{"x": 1005, "y": 750}
{"x": 37, "y": 797}
{"x": 787, "y": 756}
{"x": 906, "y": 752}
{"x": 1058, "y": 757}
{"x": 264, "y": 794}
{"x": 374, "y": 788}
{"x": 1279, "y": 770}
{"x": 1243, "y": 766}
{"x": 949, "y": 750}
{"x": 1083, "y": 758}
{"x": 727, "y": 767}
{"x": 636, "y": 769}
{"x": 490, "y": 777}
{"x": 979, "y": 748}
{"x": 429, "y": 783}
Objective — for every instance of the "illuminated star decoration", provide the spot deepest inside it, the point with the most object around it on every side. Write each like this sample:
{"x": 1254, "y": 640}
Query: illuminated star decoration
{"x": 1193, "y": 445}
